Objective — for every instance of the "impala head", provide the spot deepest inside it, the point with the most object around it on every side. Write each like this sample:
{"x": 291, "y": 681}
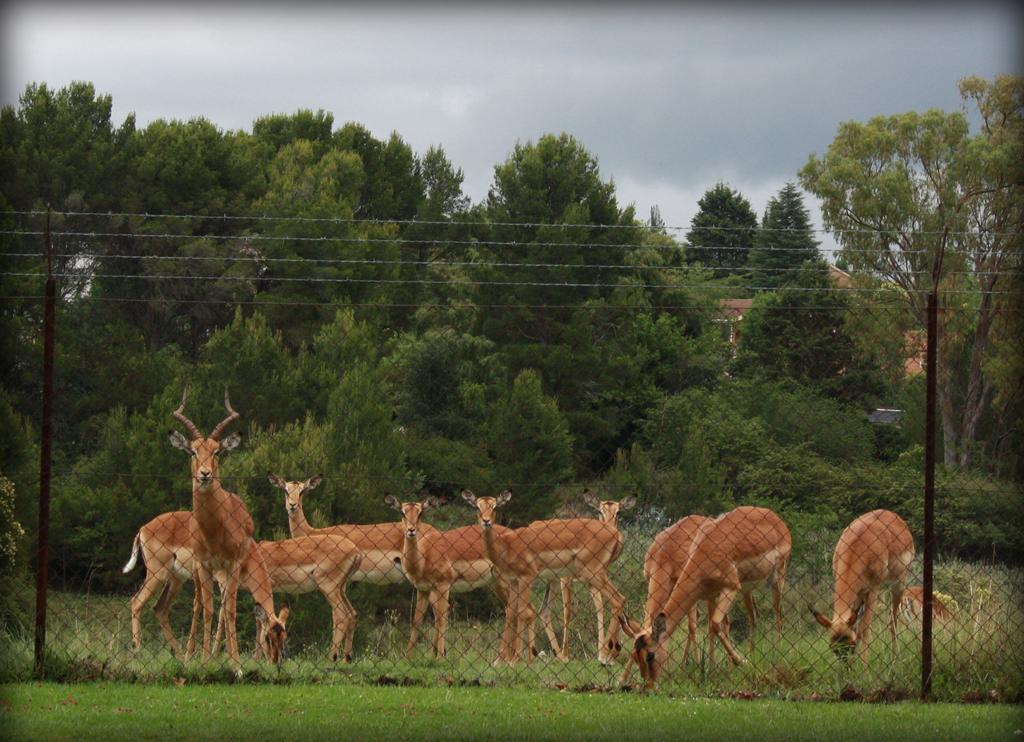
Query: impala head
{"x": 293, "y": 491}
{"x": 842, "y": 637}
{"x": 650, "y": 646}
{"x": 271, "y": 634}
{"x": 205, "y": 450}
{"x": 411, "y": 512}
{"x": 608, "y": 510}
{"x": 485, "y": 506}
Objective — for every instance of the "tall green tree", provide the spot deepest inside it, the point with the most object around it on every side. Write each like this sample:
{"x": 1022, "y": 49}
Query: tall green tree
{"x": 899, "y": 191}
{"x": 802, "y": 335}
{"x": 722, "y": 231}
{"x": 784, "y": 242}
{"x": 530, "y": 447}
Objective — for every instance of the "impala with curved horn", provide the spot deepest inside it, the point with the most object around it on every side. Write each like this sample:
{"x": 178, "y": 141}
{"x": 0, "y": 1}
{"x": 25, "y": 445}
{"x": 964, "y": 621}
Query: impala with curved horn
{"x": 222, "y": 527}
{"x": 168, "y": 548}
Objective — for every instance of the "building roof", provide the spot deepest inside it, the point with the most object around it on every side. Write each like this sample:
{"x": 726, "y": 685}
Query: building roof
{"x": 735, "y": 308}
{"x": 885, "y": 416}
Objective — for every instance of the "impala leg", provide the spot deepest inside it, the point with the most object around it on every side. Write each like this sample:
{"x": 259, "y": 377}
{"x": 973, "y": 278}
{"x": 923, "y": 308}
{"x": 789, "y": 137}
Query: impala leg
{"x": 439, "y": 604}
{"x": 691, "y": 635}
{"x": 511, "y": 629}
{"x": 599, "y": 581}
{"x": 896, "y": 595}
{"x": 228, "y": 608}
{"x": 778, "y": 585}
{"x": 722, "y": 605}
{"x": 193, "y": 629}
{"x": 149, "y": 588}
{"x": 204, "y": 584}
{"x": 163, "y": 612}
{"x": 422, "y": 602}
{"x": 864, "y": 626}
{"x": 525, "y": 616}
{"x": 218, "y": 636}
{"x": 350, "y": 625}
{"x": 566, "y": 584}
{"x": 545, "y": 615}
{"x": 751, "y": 609}
{"x": 339, "y": 619}
{"x": 598, "y": 597}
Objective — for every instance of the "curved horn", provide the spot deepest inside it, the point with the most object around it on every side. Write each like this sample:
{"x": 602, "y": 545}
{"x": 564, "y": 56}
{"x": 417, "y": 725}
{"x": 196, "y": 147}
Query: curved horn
{"x": 223, "y": 424}
{"x": 179, "y": 415}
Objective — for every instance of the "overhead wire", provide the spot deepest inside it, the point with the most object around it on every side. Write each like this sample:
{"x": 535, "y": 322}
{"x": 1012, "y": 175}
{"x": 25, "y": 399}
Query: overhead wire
{"x": 459, "y": 222}
{"x": 463, "y": 282}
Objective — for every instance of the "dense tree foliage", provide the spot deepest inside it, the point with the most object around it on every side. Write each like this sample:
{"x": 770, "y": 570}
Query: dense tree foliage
{"x": 375, "y": 326}
{"x": 917, "y": 198}
{"x": 784, "y": 242}
{"x": 722, "y": 231}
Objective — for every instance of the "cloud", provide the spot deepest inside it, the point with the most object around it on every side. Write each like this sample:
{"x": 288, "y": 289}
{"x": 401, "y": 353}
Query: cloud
{"x": 670, "y": 99}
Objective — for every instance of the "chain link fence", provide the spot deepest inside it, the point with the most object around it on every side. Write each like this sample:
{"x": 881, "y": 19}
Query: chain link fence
{"x": 741, "y": 603}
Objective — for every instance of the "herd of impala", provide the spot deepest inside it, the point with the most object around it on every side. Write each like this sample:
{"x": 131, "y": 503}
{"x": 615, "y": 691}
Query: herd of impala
{"x": 695, "y": 560}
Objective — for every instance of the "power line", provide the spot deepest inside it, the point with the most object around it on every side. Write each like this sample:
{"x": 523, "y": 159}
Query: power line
{"x": 463, "y": 282}
{"x": 457, "y": 222}
{"x": 324, "y": 239}
{"x": 462, "y": 264}
{"x": 339, "y": 476}
{"x": 467, "y": 305}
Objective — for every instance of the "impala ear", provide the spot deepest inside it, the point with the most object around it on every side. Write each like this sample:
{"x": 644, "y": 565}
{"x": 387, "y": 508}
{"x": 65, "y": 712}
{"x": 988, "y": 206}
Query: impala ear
{"x": 394, "y": 502}
{"x": 855, "y": 616}
{"x": 430, "y": 503}
{"x": 283, "y": 615}
{"x": 820, "y": 618}
{"x": 179, "y": 441}
{"x": 627, "y": 503}
{"x": 591, "y": 500}
{"x": 231, "y": 442}
{"x": 314, "y": 481}
{"x": 630, "y": 627}
{"x": 503, "y": 498}
{"x": 261, "y": 615}
{"x": 469, "y": 497}
{"x": 659, "y": 626}
{"x": 276, "y": 481}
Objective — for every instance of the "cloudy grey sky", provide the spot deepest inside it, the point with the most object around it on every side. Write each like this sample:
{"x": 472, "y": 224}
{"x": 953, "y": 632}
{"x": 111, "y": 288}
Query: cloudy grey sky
{"x": 670, "y": 99}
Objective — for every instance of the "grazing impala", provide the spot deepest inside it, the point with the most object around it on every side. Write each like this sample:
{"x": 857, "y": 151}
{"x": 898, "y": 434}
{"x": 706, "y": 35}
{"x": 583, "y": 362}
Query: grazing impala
{"x": 222, "y": 527}
{"x": 874, "y": 552}
{"x": 663, "y": 564}
{"x": 439, "y": 563}
{"x": 319, "y": 562}
{"x": 608, "y": 512}
{"x": 168, "y": 548}
{"x": 745, "y": 546}
{"x": 578, "y": 548}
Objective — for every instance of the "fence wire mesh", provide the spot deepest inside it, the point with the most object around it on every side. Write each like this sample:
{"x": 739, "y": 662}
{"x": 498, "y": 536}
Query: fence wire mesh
{"x": 668, "y": 548}
{"x": 738, "y": 604}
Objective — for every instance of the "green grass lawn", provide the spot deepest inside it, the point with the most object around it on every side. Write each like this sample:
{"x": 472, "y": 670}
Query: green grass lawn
{"x": 118, "y": 711}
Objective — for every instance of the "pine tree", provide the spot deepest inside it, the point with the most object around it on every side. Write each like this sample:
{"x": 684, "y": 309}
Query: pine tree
{"x": 723, "y": 230}
{"x": 785, "y": 241}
